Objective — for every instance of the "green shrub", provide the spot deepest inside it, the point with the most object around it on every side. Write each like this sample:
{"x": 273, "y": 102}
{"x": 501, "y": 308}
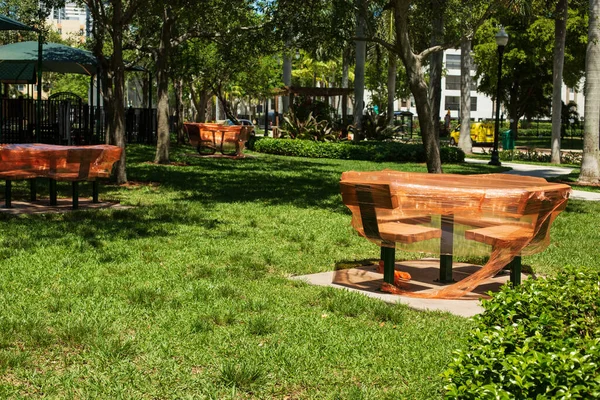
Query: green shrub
{"x": 368, "y": 151}
{"x": 535, "y": 132}
{"x": 539, "y": 340}
{"x": 533, "y": 155}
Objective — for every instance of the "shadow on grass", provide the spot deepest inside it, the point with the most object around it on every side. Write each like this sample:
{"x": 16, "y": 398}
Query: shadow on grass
{"x": 94, "y": 227}
{"x": 270, "y": 180}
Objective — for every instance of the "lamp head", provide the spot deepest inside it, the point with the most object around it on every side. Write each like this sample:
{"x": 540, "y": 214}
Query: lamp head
{"x": 501, "y": 37}
{"x": 297, "y": 56}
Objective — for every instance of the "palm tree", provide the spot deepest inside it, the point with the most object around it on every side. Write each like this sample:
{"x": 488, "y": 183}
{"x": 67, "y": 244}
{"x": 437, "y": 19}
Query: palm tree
{"x": 590, "y": 168}
{"x": 436, "y": 60}
{"x": 560, "y": 24}
{"x": 464, "y": 141}
{"x": 359, "y": 68}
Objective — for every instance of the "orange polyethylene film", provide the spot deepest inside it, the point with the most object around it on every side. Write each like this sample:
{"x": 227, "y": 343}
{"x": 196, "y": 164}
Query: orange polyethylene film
{"x": 495, "y": 215}
{"x": 58, "y": 162}
{"x": 224, "y": 138}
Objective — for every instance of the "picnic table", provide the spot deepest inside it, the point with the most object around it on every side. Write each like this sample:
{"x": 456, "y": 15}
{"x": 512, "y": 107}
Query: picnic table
{"x": 497, "y": 215}
{"x": 209, "y": 138}
{"x": 57, "y": 163}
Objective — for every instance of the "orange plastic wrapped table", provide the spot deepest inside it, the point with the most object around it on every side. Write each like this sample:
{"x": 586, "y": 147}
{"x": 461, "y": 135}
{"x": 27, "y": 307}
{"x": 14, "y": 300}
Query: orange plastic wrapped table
{"x": 208, "y": 138}
{"x": 58, "y": 163}
{"x": 499, "y": 215}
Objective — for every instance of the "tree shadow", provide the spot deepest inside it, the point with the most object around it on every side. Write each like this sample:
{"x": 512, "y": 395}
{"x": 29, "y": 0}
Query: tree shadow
{"x": 269, "y": 180}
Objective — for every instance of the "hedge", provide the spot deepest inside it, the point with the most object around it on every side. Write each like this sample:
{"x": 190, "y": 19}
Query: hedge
{"x": 368, "y": 151}
{"x": 566, "y": 157}
{"x": 533, "y": 132}
{"x": 539, "y": 340}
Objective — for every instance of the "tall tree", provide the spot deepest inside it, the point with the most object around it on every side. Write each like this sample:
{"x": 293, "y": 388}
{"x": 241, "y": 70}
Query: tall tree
{"x": 560, "y": 35}
{"x": 590, "y": 164}
{"x": 112, "y": 19}
{"x": 436, "y": 59}
{"x": 410, "y": 20}
{"x": 359, "y": 68}
{"x": 464, "y": 140}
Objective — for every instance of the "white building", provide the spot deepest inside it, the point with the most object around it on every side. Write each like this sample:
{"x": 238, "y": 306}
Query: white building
{"x": 482, "y": 106}
{"x": 71, "y": 21}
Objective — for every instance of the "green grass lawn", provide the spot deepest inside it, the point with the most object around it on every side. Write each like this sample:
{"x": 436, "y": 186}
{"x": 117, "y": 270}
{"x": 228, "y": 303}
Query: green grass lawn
{"x": 186, "y": 294}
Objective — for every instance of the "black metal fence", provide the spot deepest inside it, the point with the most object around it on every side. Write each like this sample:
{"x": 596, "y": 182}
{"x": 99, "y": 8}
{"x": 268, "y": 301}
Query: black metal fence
{"x": 69, "y": 121}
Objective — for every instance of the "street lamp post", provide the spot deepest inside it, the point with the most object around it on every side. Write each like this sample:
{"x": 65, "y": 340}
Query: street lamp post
{"x": 501, "y": 41}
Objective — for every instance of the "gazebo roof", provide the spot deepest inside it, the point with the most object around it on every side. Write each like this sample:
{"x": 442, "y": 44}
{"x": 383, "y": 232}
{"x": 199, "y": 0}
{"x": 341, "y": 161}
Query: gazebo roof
{"x": 55, "y": 57}
{"x": 9, "y": 24}
{"x": 17, "y": 73}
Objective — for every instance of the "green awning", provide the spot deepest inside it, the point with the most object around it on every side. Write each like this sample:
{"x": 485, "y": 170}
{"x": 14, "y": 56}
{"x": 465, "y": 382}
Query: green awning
{"x": 55, "y": 57}
{"x": 17, "y": 73}
{"x": 9, "y": 24}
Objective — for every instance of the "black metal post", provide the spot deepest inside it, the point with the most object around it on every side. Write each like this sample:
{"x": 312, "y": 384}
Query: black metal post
{"x": 495, "y": 156}
{"x": 388, "y": 255}
{"x": 39, "y": 89}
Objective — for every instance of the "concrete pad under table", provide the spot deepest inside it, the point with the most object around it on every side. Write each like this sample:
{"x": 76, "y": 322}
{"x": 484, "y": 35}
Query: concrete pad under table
{"x": 365, "y": 280}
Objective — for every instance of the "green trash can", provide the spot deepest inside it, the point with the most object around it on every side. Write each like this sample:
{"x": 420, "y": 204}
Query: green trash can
{"x": 508, "y": 140}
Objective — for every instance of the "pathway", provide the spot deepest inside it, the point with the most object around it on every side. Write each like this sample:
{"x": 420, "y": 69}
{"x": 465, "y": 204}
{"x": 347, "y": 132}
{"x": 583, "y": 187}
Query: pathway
{"x": 542, "y": 171}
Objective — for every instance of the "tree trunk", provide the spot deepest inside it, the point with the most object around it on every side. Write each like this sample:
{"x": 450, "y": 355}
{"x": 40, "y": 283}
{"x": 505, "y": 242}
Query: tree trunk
{"x": 436, "y": 62}
{"x": 145, "y": 92}
{"x": 178, "y": 86}
{"x": 287, "y": 78}
{"x": 345, "y": 67}
{"x": 108, "y": 106}
{"x": 200, "y": 102}
{"x": 590, "y": 168}
{"x": 345, "y": 80}
{"x": 391, "y": 86}
{"x": 464, "y": 141}
{"x": 118, "y": 69}
{"x": 418, "y": 87}
{"x": 162, "y": 94}
{"x": 560, "y": 33}
{"x": 359, "y": 69}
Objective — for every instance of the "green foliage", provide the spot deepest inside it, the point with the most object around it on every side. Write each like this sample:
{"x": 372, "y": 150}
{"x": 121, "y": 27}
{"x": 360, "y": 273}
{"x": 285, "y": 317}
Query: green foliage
{"x": 308, "y": 129}
{"x": 526, "y": 80}
{"x": 372, "y": 151}
{"x": 375, "y": 127}
{"x": 241, "y": 375}
{"x": 539, "y": 340}
{"x": 78, "y": 84}
{"x": 537, "y": 156}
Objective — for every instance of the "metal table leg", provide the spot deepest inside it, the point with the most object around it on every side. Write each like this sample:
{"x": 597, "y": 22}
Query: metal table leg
{"x": 446, "y": 244}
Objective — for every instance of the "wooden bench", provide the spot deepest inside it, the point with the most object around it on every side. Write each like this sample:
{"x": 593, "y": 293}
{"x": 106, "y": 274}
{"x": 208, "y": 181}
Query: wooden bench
{"x": 208, "y": 138}
{"x": 76, "y": 169}
{"x": 57, "y": 163}
{"x": 366, "y": 200}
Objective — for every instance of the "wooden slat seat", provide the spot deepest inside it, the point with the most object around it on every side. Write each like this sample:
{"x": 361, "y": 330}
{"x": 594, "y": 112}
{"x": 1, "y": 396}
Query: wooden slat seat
{"x": 204, "y": 145}
{"x": 485, "y": 222}
{"x": 500, "y": 235}
{"x": 407, "y": 219}
{"x": 406, "y": 233}
{"x": 18, "y": 175}
{"x": 78, "y": 166}
{"x": 367, "y": 201}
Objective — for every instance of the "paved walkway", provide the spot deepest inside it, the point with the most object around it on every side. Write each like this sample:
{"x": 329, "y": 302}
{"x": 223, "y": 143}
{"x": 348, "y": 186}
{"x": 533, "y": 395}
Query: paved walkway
{"x": 542, "y": 171}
